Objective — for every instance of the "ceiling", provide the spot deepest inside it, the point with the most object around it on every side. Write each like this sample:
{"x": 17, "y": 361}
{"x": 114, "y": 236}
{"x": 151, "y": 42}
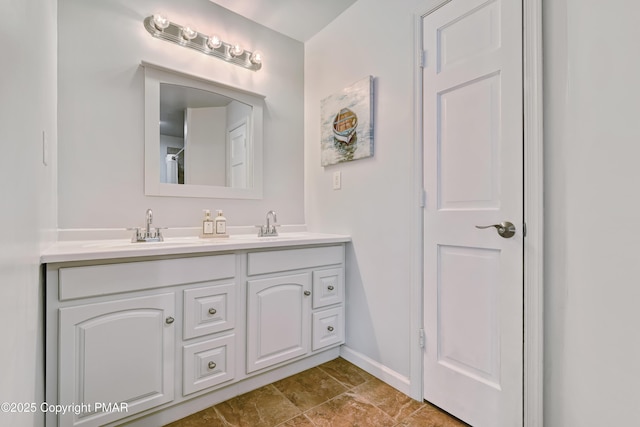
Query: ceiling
{"x": 298, "y": 19}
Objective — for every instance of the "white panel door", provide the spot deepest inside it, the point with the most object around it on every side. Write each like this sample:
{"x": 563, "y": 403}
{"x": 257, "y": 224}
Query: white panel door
{"x": 238, "y": 156}
{"x": 473, "y": 175}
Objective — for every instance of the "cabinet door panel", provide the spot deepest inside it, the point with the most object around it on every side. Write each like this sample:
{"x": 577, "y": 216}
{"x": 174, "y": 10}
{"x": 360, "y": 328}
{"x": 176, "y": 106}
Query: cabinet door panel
{"x": 328, "y": 287}
{"x": 209, "y": 310}
{"x": 208, "y": 363}
{"x": 116, "y": 352}
{"x": 328, "y": 328}
{"x": 277, "y": 320}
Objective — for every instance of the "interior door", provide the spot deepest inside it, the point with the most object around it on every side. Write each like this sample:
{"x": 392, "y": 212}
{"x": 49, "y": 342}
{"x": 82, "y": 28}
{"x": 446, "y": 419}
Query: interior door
{"x": 238, "y": 156}
{"x": 473, "y": 176}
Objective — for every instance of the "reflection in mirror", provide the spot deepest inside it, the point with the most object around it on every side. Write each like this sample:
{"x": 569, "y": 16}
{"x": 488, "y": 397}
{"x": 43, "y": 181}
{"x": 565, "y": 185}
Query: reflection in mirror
{"x": 202, "y": 139}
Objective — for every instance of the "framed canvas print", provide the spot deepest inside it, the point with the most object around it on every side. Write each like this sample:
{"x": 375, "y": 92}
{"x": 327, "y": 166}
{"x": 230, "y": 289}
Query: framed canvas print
{"x": 347, "y": 124}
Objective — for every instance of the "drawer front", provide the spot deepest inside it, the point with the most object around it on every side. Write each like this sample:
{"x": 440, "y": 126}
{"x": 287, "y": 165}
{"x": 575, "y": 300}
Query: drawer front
{"x": 209, "y": 310}
{"x": 328, "y": 328}
{"x": 328, "y": 287}
{"x": 293, "y": 259}
{"x": 94, "y": 280}
{"x": 208, "y": 363}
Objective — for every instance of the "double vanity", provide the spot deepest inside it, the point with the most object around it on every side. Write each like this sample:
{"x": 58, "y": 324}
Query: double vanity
{"x": 147, "y": 333}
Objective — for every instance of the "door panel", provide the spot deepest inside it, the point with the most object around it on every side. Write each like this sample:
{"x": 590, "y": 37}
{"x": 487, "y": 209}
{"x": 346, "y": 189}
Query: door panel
{"x": 469, "y": 119}
{"x": 473, "y": 175}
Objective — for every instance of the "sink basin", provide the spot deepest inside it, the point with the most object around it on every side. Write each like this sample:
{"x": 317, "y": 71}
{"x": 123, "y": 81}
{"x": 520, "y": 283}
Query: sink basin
{"x": 127, "y": 244}
{"x": 284, "y": 236}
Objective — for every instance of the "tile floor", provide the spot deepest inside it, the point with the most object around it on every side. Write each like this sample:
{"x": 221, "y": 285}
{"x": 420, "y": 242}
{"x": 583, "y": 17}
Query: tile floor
{"x": 335, "y": 394}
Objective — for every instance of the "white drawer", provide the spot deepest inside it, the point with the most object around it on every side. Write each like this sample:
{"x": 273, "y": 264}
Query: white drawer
{"x": 208, "y": 363}
{"x": 293, "y": 259}
{"x": 93, "y": 280}
{"x": 209, "y": 310}
{"x": 328, "y": 328}
{"x": 328, "y": 287}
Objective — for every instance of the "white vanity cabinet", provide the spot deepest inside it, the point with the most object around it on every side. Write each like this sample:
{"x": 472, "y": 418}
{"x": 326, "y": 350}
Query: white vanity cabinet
{"x": 145, "y": 340}
{"x": 295, "y": 305}
{"x": 114, "y": 330}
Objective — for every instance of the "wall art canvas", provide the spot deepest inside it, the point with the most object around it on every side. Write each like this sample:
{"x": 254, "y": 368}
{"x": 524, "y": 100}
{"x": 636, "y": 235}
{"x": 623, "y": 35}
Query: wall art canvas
{"x": 347, "y": 124}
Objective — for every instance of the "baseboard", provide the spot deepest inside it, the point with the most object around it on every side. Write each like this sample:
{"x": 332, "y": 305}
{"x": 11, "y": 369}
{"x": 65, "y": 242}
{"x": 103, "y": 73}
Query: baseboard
{"x": 378, "y": 370}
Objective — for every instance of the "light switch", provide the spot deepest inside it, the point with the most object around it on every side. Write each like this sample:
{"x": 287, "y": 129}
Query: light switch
{"x": 337, "y": 180}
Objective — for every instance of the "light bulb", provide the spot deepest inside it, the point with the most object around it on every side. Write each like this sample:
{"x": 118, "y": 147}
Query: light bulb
{"x": 256, "y": 57}
{"x": 214, "y": 42}
{"x": 160, "y": 21}
{"x": 189, "y": 33}
{"x": 235, "y": 50}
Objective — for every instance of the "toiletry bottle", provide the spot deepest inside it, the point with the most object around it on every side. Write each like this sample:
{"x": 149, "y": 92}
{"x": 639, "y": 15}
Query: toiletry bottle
{"x": 208, "y": 226}
{"x": 220, "y": 227}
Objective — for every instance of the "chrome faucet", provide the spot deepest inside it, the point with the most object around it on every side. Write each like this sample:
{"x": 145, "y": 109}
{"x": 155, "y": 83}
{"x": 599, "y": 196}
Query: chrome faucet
{"x": 149, "y": 233}
{"x": 270, "y": 228}
{"x": 149, "y": 220}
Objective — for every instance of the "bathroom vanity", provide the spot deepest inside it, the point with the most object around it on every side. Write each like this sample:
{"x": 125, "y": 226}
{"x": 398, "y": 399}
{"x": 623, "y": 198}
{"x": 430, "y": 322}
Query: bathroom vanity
{"x": 149, "y": 333}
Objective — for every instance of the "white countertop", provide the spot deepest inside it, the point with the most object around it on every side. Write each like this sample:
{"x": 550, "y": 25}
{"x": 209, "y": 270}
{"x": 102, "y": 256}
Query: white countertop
{"x": 88, "y": 250}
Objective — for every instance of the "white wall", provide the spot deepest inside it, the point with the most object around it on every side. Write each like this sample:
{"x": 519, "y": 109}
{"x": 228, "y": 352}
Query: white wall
{"x": 375, "y": 203}
{"x": 28, "y": 190}
{"x": 592, "y": 200}
{"x": 101, "y": 112}
{"x": 592, "y": 207}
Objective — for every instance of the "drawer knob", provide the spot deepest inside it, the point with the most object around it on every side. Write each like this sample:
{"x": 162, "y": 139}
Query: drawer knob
{"x": 330, "y": 328}
{"x": 307, "y": 293}
{"x": 170, "y": 320}
{"x": 212, "y": 365}
{"x": 330, "y": 287}
{"x": 212, "y": 311}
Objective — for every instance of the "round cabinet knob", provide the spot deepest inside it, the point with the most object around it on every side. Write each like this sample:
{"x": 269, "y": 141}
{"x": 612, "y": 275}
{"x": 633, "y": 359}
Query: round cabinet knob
{"x": 307, "y": 293}
{"x": 330, "y": 287}
{"x": 330, "y": 328}
{"x": 212, "y": 311}
{"x": 170, "y": 320}
{"x": 212, "y": 365}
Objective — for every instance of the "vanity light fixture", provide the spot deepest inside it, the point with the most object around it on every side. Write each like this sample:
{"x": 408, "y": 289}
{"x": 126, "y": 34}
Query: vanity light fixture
{"x": 188, "y": 33}
{"x": 159, "y": 26}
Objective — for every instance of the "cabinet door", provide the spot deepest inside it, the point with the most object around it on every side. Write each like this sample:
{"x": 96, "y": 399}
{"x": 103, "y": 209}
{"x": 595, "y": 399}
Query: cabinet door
{"x": 118, "y": 353}
{"x": 209, "y": 310}
{"x": 278, "y": 316}
{"x": 328, "y": 287}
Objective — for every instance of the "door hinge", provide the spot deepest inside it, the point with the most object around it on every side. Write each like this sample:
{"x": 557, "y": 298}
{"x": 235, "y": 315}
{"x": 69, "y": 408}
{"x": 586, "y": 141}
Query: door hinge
{"x": 421, "y": 338}
{"x": 423, "y": 199}
{"x": 423, "y": 59}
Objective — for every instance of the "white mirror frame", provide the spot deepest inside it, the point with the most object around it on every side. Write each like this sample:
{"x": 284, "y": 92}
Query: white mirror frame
{"x": 156, "y": 74}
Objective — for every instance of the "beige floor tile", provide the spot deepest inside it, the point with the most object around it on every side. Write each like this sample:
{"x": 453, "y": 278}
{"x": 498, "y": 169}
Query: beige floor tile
{"x": 347, "y": 373}
{"x": 264, "y": 407}
{"x": 309, "y": 388}
{"x": 430, "y": 416}
{"x": 349, "y": 410}
{"x": 208, "y": 418}
{"x": 394, "y": 403}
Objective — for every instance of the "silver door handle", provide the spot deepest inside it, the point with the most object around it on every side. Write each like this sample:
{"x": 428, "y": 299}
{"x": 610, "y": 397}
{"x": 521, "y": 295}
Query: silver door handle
{"x": 505, "y": 229}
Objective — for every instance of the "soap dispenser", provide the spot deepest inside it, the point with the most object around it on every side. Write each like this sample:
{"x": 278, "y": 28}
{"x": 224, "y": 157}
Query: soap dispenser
{"x": 208, "y": 226}
{"x": 220, "y": 225}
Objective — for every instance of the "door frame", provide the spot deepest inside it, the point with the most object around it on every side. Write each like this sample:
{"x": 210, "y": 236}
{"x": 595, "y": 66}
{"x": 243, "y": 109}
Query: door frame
{"x": 533, "y": 371}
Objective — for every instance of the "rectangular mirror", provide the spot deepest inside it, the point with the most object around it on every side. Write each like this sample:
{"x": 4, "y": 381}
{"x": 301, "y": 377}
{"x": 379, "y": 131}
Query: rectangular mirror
{"x": 202, "y": 139}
